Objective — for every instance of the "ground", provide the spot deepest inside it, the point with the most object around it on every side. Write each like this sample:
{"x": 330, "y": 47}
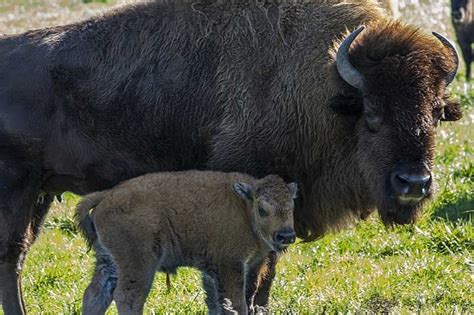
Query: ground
{"x": 426, "y": 268}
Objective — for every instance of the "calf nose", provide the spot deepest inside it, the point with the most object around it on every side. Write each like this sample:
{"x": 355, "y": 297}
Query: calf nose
{"x": 410, "y": 188}
{"x": 285, "y": 237}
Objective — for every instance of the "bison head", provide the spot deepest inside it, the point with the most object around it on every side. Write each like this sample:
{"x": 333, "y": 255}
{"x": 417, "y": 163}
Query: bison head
{"x": 272, "y": 210}
{"x": 398, "y": 78}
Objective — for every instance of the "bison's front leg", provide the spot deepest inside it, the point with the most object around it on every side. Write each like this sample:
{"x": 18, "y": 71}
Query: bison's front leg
{"x": 15, "y": 241}
{"x": 10, "y": 289}
{"x": 231, "y": 288}
{"x": 21, "y": 214}
{"x": 259, "y": 281}
{"x": 209, "y": 282}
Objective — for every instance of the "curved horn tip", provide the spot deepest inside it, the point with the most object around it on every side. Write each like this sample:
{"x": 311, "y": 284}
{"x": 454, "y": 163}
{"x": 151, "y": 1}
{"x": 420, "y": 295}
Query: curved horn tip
{"x": 359, "y": 29}
{"x": 348, "y": 73}
{"x": 447, "y": 43}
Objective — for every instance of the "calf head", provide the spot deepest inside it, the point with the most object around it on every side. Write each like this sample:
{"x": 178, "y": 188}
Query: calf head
{"x": 271, "y": 203}
{"x": 398, "y": 77}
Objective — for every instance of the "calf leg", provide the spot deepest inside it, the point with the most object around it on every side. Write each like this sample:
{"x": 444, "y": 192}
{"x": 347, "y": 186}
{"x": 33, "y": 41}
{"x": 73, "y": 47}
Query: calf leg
{"x": 231, "y": 286}
{"x": 135, "y": 254}
{"x": 134, "y": 258}
{"x": 99, "y": 293}
{"x": 259, "y": 281}
{"x": 134, "y": 283}
{"x": 209, "y": 282}
{"x": 20, "y": 221}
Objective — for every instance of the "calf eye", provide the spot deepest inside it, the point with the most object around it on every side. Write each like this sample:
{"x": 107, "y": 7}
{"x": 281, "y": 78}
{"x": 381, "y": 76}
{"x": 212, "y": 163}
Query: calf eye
{"x": 262, "y": 212}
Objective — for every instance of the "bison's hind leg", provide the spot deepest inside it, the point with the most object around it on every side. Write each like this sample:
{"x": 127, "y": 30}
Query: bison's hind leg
{"x": 134, "y": 283}
{"x": 130, "y": 242}
{"x": 99, "y": 293}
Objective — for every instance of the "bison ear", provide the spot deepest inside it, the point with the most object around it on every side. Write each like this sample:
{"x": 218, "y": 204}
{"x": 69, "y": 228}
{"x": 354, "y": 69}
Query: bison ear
{"x": 243, "y": 190}
{"x": 452, "y": 111}
{"x": 293, "y": 187}
{"x": 347, "y": 104}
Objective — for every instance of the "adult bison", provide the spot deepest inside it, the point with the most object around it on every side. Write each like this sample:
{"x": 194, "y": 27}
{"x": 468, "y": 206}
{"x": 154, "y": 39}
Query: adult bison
{"x": 461, "y": 16}
{"x": 251, "y": 86}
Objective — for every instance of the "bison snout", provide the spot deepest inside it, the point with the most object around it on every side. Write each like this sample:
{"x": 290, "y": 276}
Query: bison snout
{"x": 285, "y": 237}
{"x": 409, "y": 187}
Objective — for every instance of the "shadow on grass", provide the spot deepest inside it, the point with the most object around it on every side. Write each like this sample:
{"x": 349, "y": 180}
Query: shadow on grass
{"x": 459, "y": 209}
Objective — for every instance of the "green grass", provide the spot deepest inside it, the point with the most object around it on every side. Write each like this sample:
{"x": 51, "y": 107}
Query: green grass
{"x": 426, "y": 268}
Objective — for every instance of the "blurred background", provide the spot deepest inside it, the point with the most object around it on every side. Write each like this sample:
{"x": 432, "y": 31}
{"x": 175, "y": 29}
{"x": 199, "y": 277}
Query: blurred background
{"x": 427, "y": 268}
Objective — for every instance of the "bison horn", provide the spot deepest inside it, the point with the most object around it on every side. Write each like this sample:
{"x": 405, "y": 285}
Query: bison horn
{"x": 343, "y": 64}
{"x": 446, "y": 42}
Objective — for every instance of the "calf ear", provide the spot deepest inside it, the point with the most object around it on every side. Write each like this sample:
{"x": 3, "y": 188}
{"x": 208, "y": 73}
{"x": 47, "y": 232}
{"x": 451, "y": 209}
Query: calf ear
{"x": 243, "y": 190}
{"x": 293, "y": 187}
{"x": 452, "y": 111}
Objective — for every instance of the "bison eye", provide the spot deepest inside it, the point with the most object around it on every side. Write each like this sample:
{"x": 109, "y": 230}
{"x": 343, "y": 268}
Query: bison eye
{"x": 262, "y": 212}
{"x": 373, "y": 122}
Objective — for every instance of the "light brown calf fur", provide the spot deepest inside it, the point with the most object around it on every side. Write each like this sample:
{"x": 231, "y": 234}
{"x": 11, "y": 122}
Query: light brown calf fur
{"x": 220, "y": 223}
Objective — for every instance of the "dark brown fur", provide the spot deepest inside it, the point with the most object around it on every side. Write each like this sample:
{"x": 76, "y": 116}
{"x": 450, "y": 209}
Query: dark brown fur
{"x": 240, "y": 86}
{"x": 397, "y": 53}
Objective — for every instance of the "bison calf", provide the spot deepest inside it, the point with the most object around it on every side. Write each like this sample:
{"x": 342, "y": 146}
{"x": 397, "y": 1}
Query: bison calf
{"x": 221, "y": 223}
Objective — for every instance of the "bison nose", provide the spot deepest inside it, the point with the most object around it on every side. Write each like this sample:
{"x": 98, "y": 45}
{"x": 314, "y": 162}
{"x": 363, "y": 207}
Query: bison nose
{"x": 410, "y": 188}
{"x": 285, "y": 237}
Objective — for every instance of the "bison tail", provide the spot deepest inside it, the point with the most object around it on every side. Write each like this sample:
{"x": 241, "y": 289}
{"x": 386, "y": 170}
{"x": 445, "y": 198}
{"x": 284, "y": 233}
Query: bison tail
{"x": 84, "y": 219}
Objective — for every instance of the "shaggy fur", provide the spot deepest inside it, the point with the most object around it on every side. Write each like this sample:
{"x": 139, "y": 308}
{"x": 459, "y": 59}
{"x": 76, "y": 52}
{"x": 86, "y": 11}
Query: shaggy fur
{"x": 166, "y": 220}
{"x": 461, "y": 15}
{"x": 247, "y": 86}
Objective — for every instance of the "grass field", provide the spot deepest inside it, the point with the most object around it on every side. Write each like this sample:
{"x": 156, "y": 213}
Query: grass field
{"x": 426, "y": 268}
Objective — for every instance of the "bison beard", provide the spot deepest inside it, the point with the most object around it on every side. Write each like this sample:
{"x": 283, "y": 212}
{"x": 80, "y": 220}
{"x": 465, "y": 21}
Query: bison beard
{"x": 249, "y": 87}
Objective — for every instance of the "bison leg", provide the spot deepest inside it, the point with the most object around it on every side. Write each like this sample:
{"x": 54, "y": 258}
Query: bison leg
{"x": 40, "y": 210}
{"x": 467, "y": 56}
{"x": 99, "y": 293}
{"x": 10, "y": 268}
{"x": 134, "y": 284}
{"x": 209, "y": 282}
{"x": 21, "y": 215}
{"x": 259, "y": 281}
{"x": 12, "y": 302}
{"x": 231, "y": 288}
